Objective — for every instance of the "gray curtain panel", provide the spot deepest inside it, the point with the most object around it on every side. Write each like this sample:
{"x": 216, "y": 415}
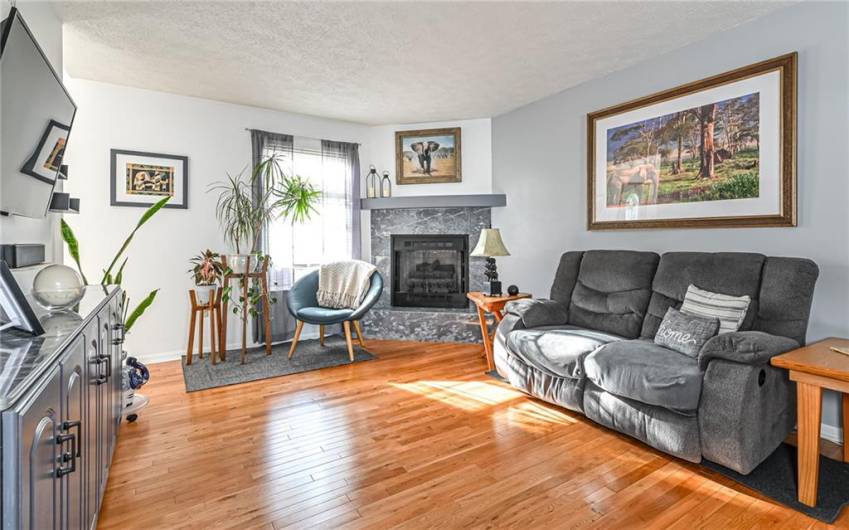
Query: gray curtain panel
{"x": 263, "y": 145}
{"x": 350, "y": 153}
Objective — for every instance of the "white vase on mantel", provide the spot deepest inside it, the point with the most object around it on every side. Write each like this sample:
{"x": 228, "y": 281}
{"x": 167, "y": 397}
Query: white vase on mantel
{"x": 238, "y": 263}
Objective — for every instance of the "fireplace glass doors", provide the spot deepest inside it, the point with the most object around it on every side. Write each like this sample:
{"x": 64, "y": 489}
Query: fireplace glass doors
{"x": 430, "y": 270}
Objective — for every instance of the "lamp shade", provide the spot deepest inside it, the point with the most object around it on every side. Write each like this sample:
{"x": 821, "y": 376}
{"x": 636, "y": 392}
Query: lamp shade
{"x": 490, "y": 244}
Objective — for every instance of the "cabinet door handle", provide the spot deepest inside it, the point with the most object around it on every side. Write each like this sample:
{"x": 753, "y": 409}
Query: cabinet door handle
{"x": 73, "y": 424}
{"x": 67, "y": 457}
{"x": 119, "y": 339}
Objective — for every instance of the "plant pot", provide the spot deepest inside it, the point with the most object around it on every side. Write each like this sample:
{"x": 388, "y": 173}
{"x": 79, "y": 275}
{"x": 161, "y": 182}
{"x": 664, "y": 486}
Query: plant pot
{"x": 238, "y": 263}
{"x": 203, "y": 293}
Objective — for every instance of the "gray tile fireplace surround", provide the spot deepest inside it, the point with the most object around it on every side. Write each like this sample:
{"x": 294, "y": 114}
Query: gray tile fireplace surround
{"x": 428, "y": 324}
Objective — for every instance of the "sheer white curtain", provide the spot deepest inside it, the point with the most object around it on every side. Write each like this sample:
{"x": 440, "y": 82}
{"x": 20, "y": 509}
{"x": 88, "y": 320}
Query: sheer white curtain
{"x": 333, "y": 231}
{"x": 295, "y": 249}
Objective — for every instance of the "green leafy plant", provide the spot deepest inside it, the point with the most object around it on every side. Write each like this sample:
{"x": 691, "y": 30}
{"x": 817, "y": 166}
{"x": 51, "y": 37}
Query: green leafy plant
{"x": 207, "y": 268}
{"x": 296, "y": 199}
{"x": 110, "y": 275}
{"x": 248, "y": 203}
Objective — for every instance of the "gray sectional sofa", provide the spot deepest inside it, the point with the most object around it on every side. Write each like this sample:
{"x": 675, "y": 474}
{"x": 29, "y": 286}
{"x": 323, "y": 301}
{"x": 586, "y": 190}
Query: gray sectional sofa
{"x": 590, "y": 348}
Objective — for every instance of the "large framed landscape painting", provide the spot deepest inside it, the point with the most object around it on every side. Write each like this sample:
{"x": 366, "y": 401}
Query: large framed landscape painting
{"x": 720, "y": 152}
{"x": 428, "y": 156}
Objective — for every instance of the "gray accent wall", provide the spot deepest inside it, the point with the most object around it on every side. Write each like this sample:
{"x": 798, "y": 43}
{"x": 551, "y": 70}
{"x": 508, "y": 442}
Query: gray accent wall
{"x": 539, "y": 161}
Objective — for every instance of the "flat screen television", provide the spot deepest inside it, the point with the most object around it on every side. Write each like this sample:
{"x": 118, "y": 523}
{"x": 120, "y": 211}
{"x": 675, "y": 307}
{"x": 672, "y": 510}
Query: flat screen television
{"x": 37, "y": 113}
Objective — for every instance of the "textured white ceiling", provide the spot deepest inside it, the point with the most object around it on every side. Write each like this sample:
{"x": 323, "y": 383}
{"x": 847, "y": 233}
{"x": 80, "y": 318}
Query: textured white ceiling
{"x": 378, "y": 62}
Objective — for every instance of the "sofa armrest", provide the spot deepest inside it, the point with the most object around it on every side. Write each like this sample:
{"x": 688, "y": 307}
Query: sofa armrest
{"x": 745, "y": 412}
{"x": 745, "y": 347}
{"x": 535, "y": 312}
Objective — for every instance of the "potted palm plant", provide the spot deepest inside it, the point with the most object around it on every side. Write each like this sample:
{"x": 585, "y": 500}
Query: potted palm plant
{"x": 207, "y": 271}
{"x": 247, "y": 203}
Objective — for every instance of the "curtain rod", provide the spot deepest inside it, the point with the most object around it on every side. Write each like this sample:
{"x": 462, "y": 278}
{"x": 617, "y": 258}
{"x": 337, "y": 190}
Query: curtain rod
{"x": 310, "y": 137}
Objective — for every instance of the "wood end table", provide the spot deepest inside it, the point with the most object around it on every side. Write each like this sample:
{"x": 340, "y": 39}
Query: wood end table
{"x": 814, "y": 367}
{"x": 495, "y": 305}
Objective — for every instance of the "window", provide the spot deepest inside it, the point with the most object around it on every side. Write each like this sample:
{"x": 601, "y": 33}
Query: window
{"x": 297, "y": 249}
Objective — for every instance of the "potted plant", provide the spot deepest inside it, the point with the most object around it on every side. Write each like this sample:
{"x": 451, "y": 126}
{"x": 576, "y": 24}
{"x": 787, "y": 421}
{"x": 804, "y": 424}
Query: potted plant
{"x": 240, "y": 219}
{"x": 207, "y": 271}
{"x": 247, "y": 203}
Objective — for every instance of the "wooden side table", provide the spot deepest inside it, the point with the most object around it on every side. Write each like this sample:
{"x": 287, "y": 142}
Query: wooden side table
{"x": 813, "y": 368}
{"x": 495, "y": 305}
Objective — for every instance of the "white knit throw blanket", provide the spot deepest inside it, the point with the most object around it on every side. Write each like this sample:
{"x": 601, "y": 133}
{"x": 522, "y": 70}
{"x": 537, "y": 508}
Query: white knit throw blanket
{"x": 343, "y": 284}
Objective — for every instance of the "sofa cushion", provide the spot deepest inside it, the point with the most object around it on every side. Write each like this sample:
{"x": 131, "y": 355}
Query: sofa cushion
{"x": 730, "y": 310}
{"x": 731, "y": 273}
{"x": 566, "y": 276}
{"x": 612, "y": 291}
{"x": 643, "y": 371}
{"x": 685, "y": 333}
{"x": 787, "y": 291}
{"x": 557, "y": 349}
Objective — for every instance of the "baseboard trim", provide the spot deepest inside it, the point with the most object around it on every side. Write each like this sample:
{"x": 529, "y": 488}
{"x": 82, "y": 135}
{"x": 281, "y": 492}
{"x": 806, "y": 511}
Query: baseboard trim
{"x": 831, "y": 433}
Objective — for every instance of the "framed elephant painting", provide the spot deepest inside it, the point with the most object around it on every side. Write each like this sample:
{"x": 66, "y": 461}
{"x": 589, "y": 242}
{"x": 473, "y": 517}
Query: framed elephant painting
{"x": 720, "y": 152}
{"x": 428, "y": 156}
{"x": 143, "y": 179}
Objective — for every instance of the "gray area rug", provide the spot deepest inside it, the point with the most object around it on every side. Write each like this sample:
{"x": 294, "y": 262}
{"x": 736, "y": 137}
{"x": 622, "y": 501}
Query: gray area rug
{"x": 776, "y": 478}
{"x": 310, "y": 355}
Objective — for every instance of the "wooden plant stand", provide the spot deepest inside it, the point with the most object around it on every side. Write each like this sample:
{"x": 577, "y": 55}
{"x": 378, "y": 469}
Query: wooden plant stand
{"x": 262, "y": 276}
{"x": 213, "y": 308}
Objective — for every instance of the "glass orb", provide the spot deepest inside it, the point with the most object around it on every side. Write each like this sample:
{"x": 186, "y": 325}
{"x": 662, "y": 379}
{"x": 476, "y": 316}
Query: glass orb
{"x": 57, "y": 287}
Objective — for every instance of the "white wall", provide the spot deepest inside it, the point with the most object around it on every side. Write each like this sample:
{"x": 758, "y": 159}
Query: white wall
{"x": 539, "y": 161}
{"x": 47, "y": 29}
{"x": 213, "y": 136}
{"x": 476, "y": 143}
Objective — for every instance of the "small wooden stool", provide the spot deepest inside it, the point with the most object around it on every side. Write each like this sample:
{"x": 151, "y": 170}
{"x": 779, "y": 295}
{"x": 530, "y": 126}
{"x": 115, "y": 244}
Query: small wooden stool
{"x": 214, "y": 309}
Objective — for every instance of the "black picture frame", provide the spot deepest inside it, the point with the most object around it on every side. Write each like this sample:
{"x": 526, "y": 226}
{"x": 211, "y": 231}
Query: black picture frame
{"x": 113, "y": 179}
{"x": 20, "y": 308}
{"x": 30, "y": 164}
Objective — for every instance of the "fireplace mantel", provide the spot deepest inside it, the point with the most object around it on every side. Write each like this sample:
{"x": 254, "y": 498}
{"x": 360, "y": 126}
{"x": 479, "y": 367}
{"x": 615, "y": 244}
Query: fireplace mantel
{"x": 481, "y": 200}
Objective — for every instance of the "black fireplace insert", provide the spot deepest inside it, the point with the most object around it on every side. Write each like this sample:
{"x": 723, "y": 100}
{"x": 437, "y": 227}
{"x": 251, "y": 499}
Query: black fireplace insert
{"x": 430, "y": 270}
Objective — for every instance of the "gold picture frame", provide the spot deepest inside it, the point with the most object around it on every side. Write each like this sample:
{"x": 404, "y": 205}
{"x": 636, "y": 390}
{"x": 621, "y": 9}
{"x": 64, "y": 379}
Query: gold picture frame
{"x": 428, "y": 156}
{"x": 626, "y": 188}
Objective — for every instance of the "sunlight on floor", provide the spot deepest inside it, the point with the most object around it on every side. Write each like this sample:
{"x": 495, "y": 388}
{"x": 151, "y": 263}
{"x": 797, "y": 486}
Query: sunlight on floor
{"x": 475, "y": 396}
{"x": 466, "y": 395}
{"x": 530, "y": 414}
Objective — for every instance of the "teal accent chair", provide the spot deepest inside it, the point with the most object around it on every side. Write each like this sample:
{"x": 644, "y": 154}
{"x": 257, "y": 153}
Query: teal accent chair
{"x": 303, "y": 305}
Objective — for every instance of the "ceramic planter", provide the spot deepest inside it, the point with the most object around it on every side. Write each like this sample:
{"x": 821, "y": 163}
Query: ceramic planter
{"x": 203, "y": 293}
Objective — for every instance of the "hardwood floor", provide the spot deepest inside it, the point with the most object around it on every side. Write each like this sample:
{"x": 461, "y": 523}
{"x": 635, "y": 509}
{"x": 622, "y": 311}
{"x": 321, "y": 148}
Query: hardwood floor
{"x": 418, "y": 438}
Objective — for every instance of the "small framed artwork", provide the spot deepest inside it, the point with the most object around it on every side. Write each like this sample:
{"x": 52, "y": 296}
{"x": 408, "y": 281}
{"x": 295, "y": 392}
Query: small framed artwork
{"x": 47, "y": 157}
{"x": 428, "y": 157}
{"x": 720, "y": 152}
{"x": 143, "y": 179}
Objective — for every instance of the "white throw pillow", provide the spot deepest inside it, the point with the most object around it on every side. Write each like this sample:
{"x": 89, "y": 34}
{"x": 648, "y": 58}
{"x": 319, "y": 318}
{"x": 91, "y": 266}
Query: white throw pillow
{"x": 730, "y": 310}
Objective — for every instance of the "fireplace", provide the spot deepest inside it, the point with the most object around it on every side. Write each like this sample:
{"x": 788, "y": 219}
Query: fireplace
{"x": 430, "y": 270}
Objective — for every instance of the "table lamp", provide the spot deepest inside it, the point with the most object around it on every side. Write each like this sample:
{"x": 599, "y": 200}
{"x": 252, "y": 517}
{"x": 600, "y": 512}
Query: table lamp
{"x": 490, "y": 246}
